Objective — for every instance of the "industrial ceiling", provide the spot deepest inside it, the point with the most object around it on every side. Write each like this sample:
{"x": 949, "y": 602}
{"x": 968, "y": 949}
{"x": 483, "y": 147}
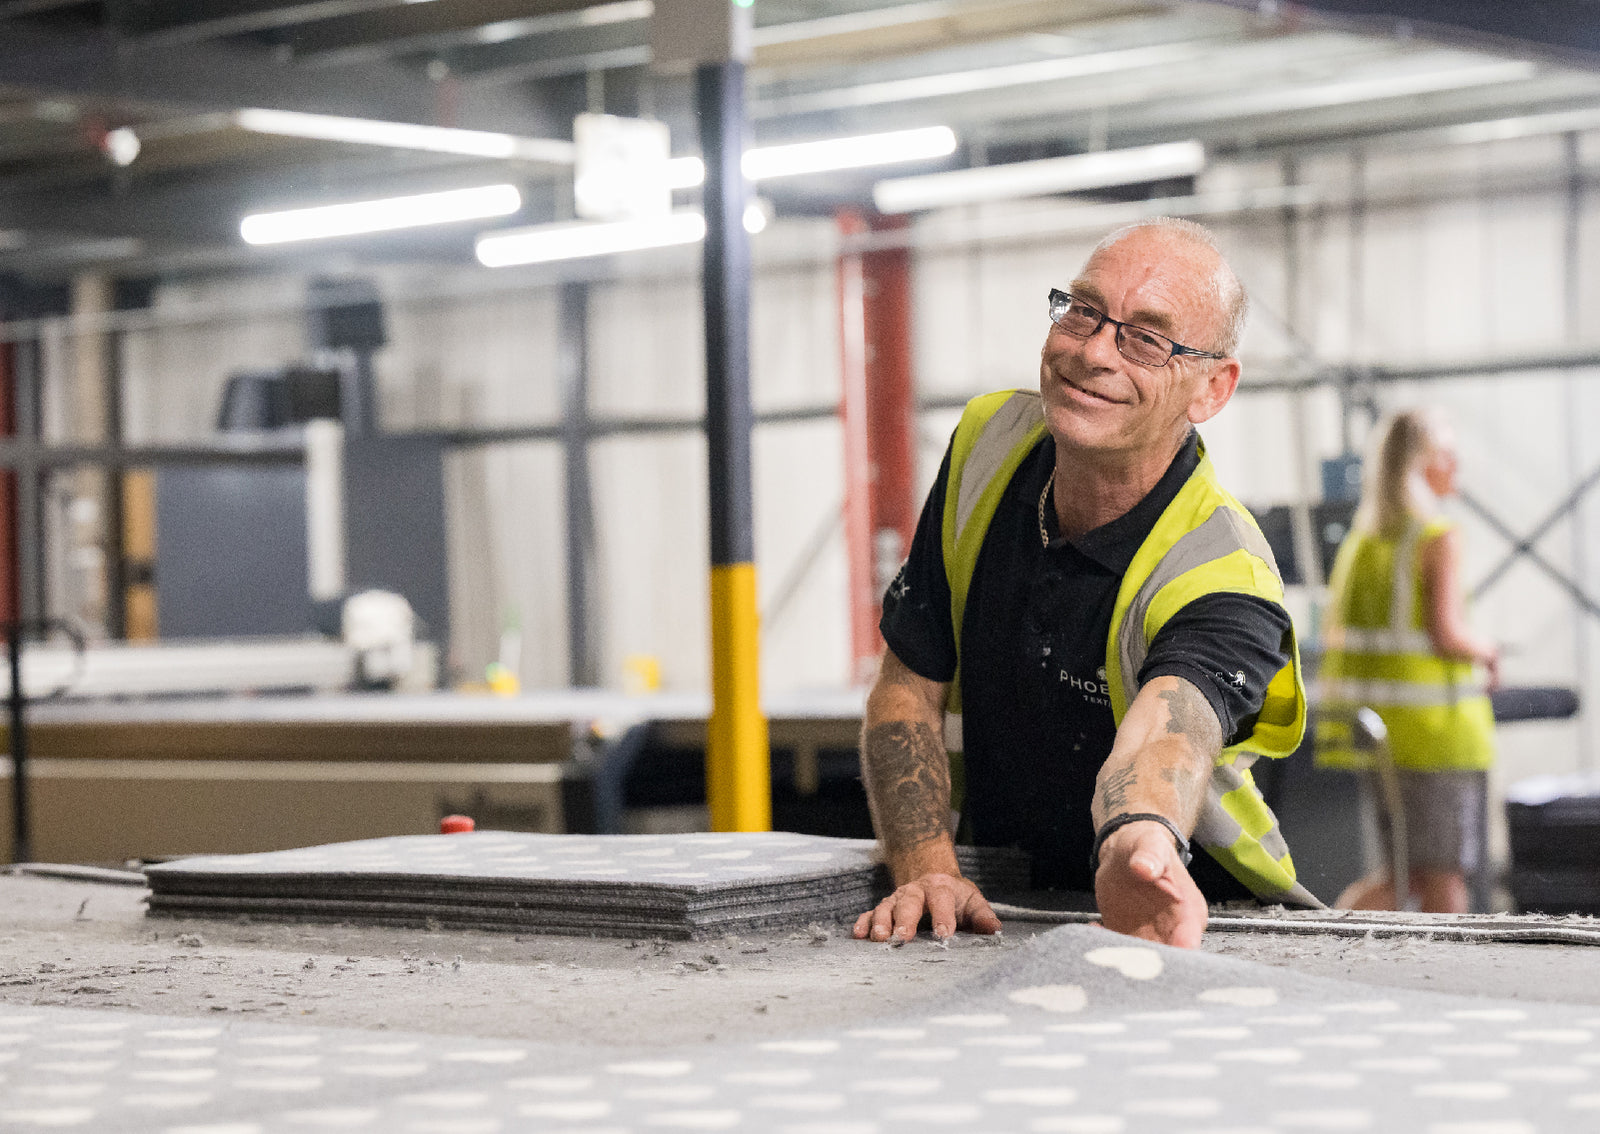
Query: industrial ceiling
{"x": 80, "y": 82}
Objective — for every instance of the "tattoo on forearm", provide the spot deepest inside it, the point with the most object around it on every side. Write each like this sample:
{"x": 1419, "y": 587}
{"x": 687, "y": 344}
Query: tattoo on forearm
{"x": 1183, "y": 781}
{"x": 1114, "y": 791}
{"x": 908, "y": 782}
{"x": 1190, "y": 715}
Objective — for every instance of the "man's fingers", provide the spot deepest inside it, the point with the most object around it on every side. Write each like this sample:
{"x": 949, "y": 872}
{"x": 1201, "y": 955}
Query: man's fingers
{"x": 908, "y": 905}
{"x": 980, "y": 917}
{"x": 882, "y": 919}
{"x": 950, "y": 903}
{"x": 942, "y": 911}
{"x": 1187, "y": 934}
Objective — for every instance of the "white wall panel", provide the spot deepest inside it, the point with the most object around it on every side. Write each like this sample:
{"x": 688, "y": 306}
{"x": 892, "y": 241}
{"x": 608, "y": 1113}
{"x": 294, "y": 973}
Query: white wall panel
{"x": 482, "y": 360}
{"x": 508, "y": 573}
{"x": 646, "y": 349}
{"x": 174, "y": 374}
{"x": 794, "y": 320}
{"x": 653, "y": 550}
{"x": 800, "y": 556}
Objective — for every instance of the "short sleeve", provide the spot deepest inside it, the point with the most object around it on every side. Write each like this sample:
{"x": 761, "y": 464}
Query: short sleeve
{"x": 1229, "y": 646}
{"x": 916, "y": 607}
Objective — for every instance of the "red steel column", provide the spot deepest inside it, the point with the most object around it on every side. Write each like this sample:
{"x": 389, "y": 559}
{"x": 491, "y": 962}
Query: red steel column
{"x": 891, "y": 402}
{"x": 854, "y": 428}
{"x": 878, "y": 415}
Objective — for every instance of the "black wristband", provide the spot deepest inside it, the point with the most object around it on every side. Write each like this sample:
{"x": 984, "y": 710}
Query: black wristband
{"x": 1118, "y": 821}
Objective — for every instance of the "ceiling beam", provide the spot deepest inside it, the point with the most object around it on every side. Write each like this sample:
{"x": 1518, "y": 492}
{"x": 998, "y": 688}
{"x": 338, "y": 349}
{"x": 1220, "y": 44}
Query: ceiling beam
{"x": 10, "y": 8}
{"x": 186, "y": 209}
{"x": 407, "y": 21}
{"x": 1563, "y": 27}
{"x": 500, "y": 31}
{"x": 173, "y": 25}
{"x": 214, "y": 77}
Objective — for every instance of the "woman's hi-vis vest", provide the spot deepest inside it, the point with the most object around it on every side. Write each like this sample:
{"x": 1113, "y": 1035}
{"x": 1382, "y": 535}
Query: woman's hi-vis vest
{"x": 1205, "y": 542}
{"x": 1378, "y": 655}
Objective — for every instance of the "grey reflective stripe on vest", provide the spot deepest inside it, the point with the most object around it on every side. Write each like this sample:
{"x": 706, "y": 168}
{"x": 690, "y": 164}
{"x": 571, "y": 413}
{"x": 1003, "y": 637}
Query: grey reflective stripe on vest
{"x": 1358, "y": 641}
{"x": 1218, "y": 830}
{"x": 1000, "y": 434}
{"x": 1223, "y": 533}
{"x": 1376, "y": 694}
{"x": 1402, "y": 595}
{"x": 953, "y": 740}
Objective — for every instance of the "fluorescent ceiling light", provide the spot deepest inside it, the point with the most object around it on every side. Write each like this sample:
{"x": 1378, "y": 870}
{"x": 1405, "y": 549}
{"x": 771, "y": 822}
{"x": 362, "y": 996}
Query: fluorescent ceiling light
{"x": 848, "y": 153}
{"x": 1036, "y": 178}
{"x": 403, "y": 135}
{"x": 381, "y": 216}
{"x": 685, "y": 173}
{"x": 855, "y": 152}
{"x": 950, "y": 84}
{"x": 570, "y": 240}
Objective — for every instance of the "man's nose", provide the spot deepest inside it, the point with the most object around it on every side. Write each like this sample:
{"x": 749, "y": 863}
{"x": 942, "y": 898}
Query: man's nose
{"x": 1103, "y": 340}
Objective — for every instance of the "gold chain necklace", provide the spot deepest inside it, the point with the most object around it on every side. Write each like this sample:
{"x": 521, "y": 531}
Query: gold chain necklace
{"x": 1044, "y": 533}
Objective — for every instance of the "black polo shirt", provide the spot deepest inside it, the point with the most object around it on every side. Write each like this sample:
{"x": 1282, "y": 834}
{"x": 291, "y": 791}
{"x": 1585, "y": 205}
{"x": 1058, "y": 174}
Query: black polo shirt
{"x": 1036, "y": 711}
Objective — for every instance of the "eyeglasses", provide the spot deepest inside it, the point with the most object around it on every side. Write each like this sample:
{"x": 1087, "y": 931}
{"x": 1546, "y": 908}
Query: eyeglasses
{"x": 1137, "y": 344}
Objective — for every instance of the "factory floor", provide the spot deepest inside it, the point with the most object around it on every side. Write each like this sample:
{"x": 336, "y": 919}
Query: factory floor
{"x": 90, "y": 945}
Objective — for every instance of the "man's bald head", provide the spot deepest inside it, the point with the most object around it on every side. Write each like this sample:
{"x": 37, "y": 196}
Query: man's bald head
{"x": 1227, "y": 293}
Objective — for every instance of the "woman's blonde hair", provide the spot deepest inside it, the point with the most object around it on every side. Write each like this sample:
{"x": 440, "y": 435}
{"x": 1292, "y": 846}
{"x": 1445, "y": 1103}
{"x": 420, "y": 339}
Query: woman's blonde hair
{"x": 1394, "y": 492}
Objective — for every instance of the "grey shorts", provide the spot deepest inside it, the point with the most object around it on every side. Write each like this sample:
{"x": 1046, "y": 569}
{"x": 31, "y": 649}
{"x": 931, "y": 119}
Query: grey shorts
{"x": 1443, "y": 818}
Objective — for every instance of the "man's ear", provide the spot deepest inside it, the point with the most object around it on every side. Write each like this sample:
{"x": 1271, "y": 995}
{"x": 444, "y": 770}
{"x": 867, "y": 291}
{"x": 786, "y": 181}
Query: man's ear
{"x": 1214, "y": 391}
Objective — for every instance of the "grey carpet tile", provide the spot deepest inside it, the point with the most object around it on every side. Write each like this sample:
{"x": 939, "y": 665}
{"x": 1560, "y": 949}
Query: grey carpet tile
{"x": 552, "y": 893}
{"x": 565, "y": 920}
{"x": 677, "y": 863}
{"x": 1078, "y": 1031}
{"x": 683, "y": 886}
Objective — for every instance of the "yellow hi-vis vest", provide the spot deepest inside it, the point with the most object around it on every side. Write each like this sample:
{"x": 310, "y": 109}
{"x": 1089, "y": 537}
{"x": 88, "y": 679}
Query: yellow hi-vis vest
{"x": 1378, "y": 655}
{"x": 1205, "y": 542}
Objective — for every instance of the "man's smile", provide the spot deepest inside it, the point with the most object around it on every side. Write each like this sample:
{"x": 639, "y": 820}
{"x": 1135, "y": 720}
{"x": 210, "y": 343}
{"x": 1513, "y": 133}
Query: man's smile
{"x": 1088, "y": 394}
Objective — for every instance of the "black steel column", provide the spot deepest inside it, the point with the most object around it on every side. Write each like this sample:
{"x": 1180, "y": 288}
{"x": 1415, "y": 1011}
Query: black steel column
{"x": 116, "y": 486}
{"x": 573, "y": 374}
{"x": 719, "y": 92}
{"x": 21, "y": 836}
{"x": 738, "y": 783}
{"x": 31, "y": 494}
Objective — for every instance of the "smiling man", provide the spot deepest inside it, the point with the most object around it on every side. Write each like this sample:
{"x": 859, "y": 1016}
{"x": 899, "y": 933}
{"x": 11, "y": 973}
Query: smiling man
{"x": 1087, "y": 646}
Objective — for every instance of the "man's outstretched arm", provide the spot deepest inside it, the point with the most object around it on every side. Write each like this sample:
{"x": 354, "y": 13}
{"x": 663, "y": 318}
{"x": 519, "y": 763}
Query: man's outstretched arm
{"x": 1160, "y": 764}
{"x": 907, "y": 777}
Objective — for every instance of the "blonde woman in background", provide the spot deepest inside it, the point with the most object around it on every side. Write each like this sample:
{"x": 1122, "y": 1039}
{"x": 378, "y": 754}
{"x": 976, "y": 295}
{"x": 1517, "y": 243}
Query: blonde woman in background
{"x": 1396, "y": 640}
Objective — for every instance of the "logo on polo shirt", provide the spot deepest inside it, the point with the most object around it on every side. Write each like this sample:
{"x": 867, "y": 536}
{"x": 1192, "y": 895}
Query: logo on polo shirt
{"x": 1092, "y": 689}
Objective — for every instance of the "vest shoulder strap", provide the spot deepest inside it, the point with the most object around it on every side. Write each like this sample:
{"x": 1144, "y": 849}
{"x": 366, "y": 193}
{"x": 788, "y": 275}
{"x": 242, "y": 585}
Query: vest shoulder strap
{"x": 996, "y": 432}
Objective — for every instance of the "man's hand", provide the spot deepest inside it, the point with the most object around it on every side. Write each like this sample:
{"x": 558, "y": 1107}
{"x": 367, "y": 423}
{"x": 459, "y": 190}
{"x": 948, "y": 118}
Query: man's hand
{"x": 950, "y": 902}
{"x": 1144, "y": 890}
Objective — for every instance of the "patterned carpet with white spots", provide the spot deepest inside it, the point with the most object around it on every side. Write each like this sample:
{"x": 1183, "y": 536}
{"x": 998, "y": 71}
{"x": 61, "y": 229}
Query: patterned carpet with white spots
{"x": 1075, "y": 1031}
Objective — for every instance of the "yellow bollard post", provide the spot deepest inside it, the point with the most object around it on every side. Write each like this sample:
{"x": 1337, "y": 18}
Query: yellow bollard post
{"x": 738, "y": 763}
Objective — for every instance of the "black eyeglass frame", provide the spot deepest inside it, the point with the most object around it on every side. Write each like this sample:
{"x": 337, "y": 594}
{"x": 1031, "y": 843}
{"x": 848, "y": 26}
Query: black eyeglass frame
{"x": 1064, "y": 299}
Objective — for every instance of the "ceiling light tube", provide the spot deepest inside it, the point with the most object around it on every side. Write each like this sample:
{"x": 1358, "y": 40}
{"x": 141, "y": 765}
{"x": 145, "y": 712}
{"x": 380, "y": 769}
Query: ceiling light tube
{"x": 762, "y": 162}
{"x": 848, "y": 153}
{"x": 1036, "y": 178}
{"x": 403, "y": 135}
{"x": 571, "y": 240}
{"x": 685, "y": 173}
{"x": 385, "y": 215}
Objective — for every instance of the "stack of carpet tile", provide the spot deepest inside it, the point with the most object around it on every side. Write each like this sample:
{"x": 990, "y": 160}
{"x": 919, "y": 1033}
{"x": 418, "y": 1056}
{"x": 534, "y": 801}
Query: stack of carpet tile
{"x": 679, "y": 886}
